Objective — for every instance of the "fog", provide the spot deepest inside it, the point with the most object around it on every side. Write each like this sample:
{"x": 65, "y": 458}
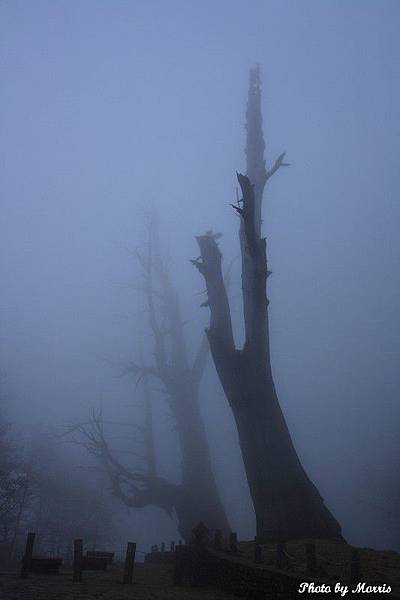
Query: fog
{"x": 112, "y": 112}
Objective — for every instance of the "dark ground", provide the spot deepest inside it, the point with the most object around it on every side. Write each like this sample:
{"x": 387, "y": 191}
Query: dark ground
{"x": 152, "y": 582}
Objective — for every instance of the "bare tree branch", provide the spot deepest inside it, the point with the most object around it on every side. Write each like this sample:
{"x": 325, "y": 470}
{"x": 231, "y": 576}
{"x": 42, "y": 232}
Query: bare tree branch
{"x": 277, "y": 165}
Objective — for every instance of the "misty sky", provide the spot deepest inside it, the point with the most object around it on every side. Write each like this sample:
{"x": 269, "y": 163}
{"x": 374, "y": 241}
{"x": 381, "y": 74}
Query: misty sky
{"x": 113, "y": 109}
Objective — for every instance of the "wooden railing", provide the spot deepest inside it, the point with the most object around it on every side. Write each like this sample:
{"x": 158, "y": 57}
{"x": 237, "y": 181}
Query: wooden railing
{"x": 222, "y": 562}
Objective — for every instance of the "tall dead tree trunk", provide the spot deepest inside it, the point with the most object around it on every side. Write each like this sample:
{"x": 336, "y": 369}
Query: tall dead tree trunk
{"x": 181, "y": 383}
{"x": 196, "y": 498}
{"x": 287, "y": 504}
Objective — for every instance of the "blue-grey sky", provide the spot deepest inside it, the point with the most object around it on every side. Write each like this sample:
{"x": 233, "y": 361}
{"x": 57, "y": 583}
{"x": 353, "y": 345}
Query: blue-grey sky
{"x": 110, "y": 109}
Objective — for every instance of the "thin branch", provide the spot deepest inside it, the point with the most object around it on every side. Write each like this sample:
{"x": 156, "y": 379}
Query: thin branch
{"x": 142, "y": 370}
{"x": 277, "y": 165}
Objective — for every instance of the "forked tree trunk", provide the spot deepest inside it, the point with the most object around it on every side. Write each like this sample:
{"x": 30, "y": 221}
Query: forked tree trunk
{"x": 287, "y": 504}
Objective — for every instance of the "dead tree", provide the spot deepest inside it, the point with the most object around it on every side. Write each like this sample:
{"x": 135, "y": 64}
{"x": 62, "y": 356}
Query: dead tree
{"x": 180, "y": 377}
{"x": 138, "y": 486}
{"x": 287, "y": 504}
{"x": 196, "y": 497}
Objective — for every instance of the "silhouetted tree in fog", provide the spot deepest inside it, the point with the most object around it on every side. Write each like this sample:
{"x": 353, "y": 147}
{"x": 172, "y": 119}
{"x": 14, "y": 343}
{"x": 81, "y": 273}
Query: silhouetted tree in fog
{"x": 287, "y": 504}
{"x": 181, "y": 377}
{"x": 196, "y": 497}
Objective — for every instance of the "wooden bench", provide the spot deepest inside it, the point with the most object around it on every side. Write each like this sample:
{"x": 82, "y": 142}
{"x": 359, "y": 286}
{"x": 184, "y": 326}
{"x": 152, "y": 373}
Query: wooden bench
{"x": 98, "y": 561}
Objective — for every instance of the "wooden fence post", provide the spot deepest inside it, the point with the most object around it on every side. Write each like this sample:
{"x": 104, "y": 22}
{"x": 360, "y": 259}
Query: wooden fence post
{"x": 129, "y": 562}
{"x": 355, "y": 566}
{"x": 78, "y": 555}
{"x": 311, "y": 558}
{"x": 26, "y": 559}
